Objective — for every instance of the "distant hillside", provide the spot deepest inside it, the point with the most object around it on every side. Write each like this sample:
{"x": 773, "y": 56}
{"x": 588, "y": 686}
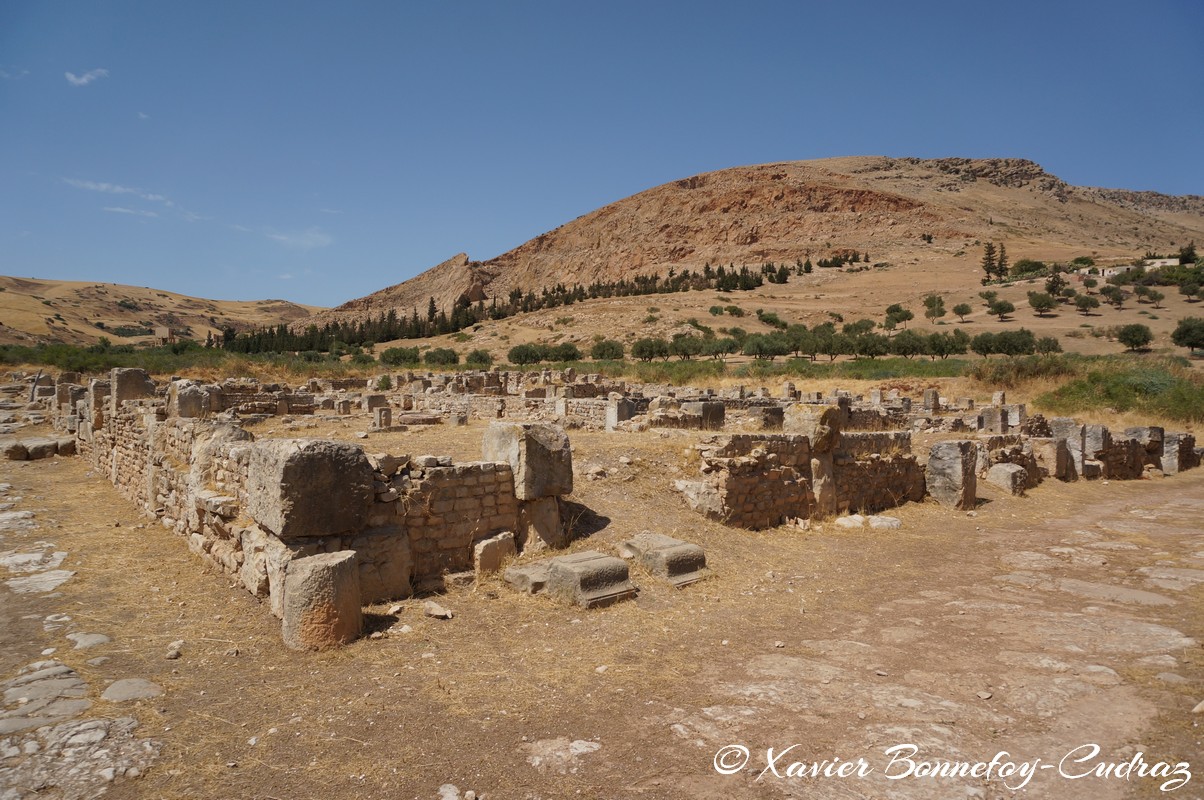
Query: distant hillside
{"x": 791, "y": 211}
{"x": 34, "y": 310}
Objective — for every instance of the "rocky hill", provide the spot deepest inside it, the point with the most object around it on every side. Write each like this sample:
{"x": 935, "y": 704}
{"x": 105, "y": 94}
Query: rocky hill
{"x": 36, "y": 310}
{"x": 791, "y": 211}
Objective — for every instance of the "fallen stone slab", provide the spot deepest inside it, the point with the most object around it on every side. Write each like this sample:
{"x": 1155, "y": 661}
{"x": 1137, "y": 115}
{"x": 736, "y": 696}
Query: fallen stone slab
{"x": 41, "y": 447}
{"x": 851, "y": 521}
{"x": 85, "y": 640}
{"x": 128, "y": 689}
{"x": 418, "y": 419}
{"x": 15, "y": 450}
{"x": 678, "y": 562}
{"x": 589, "y": 579}
{"x": 40, "y": 582}
{"x": 885, "y": 523}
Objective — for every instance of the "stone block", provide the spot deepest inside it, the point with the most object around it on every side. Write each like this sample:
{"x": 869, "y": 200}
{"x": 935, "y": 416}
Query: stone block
{"x": 993, "y": 420}
{"x": 1075, "y": 435}
{"x": 322, "y": 601}
{"x": 382, "y": 418}
{"x": 385, "y": 563}
{"x": 539, "y": 455}
{"x": 308, "y": 487}
{"x": 1178, "y": 453}
{"x": 488, "y": 555}
{"x": 1016, "y": 415}
{"x": 130, "y": 383}
{"x": 712, "y": 413}
{"x": 1009, "y": 477}
{"x": 950, "y": 475}
{"x": 65, "y": 446}
{"x": 15, "y": 450}
{"x": 1150, "y": 438}
{"x": 528, "y": 578}
{"x": 589, "y": 579}
{"x": 1096, "y": 439}
{"x": 678, "y": 562}
{"x": 374, "y": 401}
{"x": 41, "y": 447}
{"x": 187, "y": 399}
{"x": 540, "y": 526}
{"x": 1053, "y": 458}
{"x": 932, "y": 400}
{"x": 768, "y": 418}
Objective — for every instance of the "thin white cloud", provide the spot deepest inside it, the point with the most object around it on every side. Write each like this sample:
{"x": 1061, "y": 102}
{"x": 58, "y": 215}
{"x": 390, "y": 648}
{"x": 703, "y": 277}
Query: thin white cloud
{"x": 285, "y": 276}
{"x": 13, "y": 74}
{"x": 116, "y": 188}
{"x": 330, "y": 211}
{"x": 241, "y": 228}
{"x": 143, "y": 115}
{"x": 87, "y": 77}
{"x": 134, "y": 211}
{"x": 301, "y": 240}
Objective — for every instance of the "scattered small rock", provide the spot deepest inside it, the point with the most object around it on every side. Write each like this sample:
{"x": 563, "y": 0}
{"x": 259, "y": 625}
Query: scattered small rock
{"x": 985, "y": 695}
{"x": 433, "y": 609}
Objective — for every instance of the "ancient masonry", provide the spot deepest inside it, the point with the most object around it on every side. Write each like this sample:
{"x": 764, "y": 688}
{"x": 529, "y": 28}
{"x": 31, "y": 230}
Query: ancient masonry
{"x": 320, "y": 528}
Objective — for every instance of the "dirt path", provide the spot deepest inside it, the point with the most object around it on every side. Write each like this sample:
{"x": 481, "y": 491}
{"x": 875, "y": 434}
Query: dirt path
{"x": 1066, "y": 618}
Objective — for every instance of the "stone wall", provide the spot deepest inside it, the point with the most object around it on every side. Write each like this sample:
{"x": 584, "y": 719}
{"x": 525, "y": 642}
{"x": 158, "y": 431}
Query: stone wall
{"x": 207, "y": 479}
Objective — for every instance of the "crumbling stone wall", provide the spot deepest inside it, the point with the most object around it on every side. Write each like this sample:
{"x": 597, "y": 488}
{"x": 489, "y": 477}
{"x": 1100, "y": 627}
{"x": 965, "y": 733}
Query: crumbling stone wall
{"x": 249, "y": 508}
{"x": 760, "y": 480}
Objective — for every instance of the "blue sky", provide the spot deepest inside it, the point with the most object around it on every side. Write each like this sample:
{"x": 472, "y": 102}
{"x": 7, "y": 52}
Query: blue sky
{"x": 320, "y": 151}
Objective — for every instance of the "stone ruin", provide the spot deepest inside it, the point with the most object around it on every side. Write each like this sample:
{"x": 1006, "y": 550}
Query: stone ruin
{"x": 321, "y": 528}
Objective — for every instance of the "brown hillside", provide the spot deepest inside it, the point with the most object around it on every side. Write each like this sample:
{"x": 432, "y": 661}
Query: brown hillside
{"x": 34, "y": 310}
{"x": 795, "y": 210}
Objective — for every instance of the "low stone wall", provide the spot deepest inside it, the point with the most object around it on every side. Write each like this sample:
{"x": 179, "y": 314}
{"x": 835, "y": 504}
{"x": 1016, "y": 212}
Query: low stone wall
{"x": 876, "y": 483}
{"x": 249, "y": 508}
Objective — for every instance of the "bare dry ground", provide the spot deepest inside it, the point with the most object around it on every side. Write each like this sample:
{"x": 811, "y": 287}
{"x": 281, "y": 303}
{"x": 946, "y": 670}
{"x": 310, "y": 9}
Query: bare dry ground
{"x": 1038, "y": 624}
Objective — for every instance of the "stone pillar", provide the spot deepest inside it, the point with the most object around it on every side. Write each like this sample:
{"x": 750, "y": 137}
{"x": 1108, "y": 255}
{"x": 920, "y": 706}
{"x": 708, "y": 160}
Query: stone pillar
{"x": 932, "y": 400}
{"x": 322, "y": 601}
{"x": 383, "y": 418}
{"x": 950, "y": 475}
{"x": 993, "y": 419}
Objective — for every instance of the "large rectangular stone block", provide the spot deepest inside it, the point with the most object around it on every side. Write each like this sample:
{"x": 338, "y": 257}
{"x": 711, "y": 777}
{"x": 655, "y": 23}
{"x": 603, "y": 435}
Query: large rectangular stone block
{"x": 129, "y": 383}
{"x": 951, "y": 476}
{"x": 589, "y": 579}
{"x": 538, "y": 454}
{"x": 308, "y": 487}
{"x": 678, "y": 562}
{"x": 711, "y": 411}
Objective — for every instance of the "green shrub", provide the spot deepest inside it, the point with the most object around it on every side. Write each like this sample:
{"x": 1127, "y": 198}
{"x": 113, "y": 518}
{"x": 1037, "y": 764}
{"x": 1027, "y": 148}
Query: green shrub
{"x": 441, "y": 356}
{"x": 397, "y": 356}
{"x": 479, "y": 358}
{"x": 607, "y": 350}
